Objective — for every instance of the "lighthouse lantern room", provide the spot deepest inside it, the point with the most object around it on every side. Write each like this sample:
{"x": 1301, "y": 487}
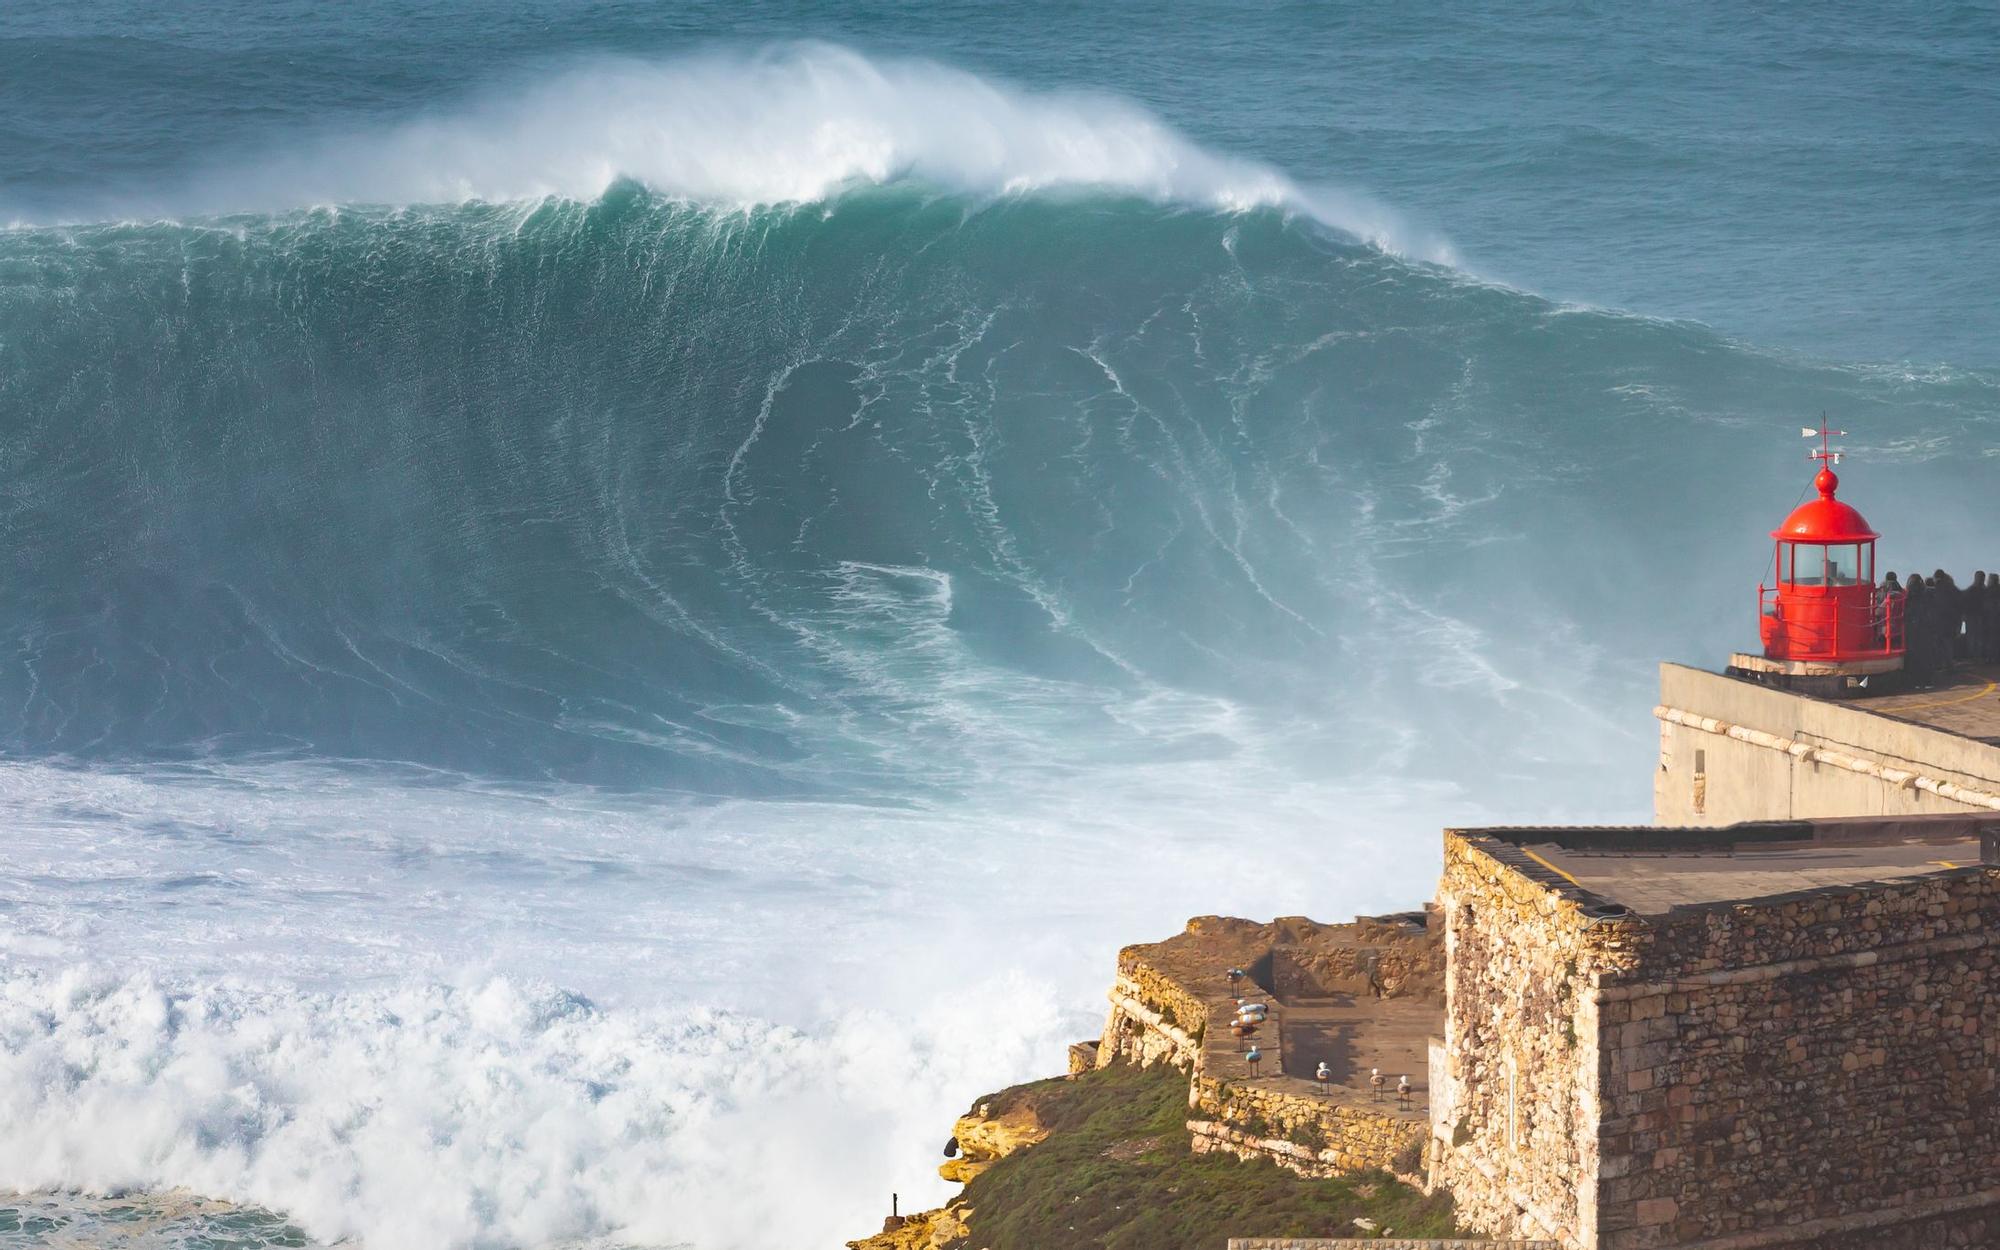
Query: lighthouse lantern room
{"x": 1825, "y": 616}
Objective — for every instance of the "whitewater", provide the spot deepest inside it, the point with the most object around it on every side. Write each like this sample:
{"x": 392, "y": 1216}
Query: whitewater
{"x": 587, "y": 666}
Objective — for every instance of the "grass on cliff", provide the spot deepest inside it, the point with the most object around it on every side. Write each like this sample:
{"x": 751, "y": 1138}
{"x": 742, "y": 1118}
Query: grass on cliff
{"x": 1116, "y": 1173}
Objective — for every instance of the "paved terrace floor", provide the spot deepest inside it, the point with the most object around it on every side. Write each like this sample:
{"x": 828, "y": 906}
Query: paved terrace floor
{"x": 1346, "y": 1026}
{"x": 1966, "y": 702}
{"x": 1352, "y": 1037}
{"x": 1651, "y": 883}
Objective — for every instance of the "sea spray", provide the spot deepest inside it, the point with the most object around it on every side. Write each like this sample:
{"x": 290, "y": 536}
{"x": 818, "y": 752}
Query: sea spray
{"x": 493, "y": 1113}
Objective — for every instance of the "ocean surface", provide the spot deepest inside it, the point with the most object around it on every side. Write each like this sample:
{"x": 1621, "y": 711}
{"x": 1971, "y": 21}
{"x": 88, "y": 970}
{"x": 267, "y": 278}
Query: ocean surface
{"x": 610, "y": 610}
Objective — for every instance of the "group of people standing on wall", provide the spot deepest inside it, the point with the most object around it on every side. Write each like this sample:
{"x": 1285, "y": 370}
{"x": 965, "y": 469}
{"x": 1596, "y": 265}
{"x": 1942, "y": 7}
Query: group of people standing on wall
{"x": 1943, "y": 622}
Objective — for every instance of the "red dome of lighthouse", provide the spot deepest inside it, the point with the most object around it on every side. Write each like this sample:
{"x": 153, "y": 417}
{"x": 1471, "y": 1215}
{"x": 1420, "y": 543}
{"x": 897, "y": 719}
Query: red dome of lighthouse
{"x": 1826, "y": 519}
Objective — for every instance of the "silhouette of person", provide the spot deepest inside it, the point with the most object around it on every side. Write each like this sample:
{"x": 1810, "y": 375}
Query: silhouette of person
{"x": 1975, "y": 617}
{"x": 1889, "y": 622}
{"x": 1919, "y": 634}
{"x": 1948, "y": 617}
{"x": 1990, "y": 614}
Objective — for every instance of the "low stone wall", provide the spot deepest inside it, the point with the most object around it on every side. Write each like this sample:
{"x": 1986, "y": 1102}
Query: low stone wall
{"x": 1387, "y": 960}
{"x": 1184, "y": 1007}
{"x": 1145, "y": 1026}
{"x": 1310, "y": 1134}
{"x": 1219, "y": 1137}
{"x": 1154, "y": 1018}
{"x": 1382, "y": 1243}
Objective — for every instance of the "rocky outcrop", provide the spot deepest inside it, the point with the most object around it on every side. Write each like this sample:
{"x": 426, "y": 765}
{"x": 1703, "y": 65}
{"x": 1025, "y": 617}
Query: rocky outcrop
{"x": 1083, "y": 1056}
{"x": 927, "y": 1230}
{"x": 997, "y": 1126}
{"x": 991, "y": 1131}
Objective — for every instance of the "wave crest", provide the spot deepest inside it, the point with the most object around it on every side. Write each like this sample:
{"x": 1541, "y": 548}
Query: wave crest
{"x": 792, "y": 124}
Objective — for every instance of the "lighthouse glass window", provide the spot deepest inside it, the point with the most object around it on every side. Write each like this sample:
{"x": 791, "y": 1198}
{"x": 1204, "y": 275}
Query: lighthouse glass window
{"x": 1808, "y": 564}
{"x": 1814, "y": 565}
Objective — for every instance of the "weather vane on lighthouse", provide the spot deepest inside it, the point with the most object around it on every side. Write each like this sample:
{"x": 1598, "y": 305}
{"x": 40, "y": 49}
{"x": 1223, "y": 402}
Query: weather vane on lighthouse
{"x": 1827, "y": 454}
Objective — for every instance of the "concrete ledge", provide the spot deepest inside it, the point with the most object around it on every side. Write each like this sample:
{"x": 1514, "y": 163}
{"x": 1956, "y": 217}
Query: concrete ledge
{"x": 1816, "y": 668}
{"x": 1810, "y": 1232}
{"x": 1811, "y": 753}
{"x": 1749, "y": 834}
{"x": 1382, "y": 1243}
{"x": 1755, "y": 973}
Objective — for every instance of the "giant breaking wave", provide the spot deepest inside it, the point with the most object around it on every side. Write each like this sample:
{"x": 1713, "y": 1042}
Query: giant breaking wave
{"x": 542, "y": 671}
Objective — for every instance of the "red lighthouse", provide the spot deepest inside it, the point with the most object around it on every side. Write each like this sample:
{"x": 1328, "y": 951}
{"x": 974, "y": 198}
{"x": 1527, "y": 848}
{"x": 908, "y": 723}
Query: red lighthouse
{"x": 1825, "y": 618}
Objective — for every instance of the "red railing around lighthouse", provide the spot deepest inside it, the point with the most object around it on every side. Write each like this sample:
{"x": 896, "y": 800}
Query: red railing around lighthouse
{"x": 1879, "y": 620}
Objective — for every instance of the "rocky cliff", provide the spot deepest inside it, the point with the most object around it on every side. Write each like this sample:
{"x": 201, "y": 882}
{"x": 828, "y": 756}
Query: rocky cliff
{"x": 1156, "y": 1140}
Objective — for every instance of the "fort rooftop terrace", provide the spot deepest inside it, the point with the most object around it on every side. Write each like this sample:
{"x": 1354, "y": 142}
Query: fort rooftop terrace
{"x": 1648, "y": 870}
{"x": 1966, "y": 703}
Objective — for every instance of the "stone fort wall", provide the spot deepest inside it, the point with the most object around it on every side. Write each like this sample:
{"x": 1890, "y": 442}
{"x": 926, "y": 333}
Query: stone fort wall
{"x": 1811, "y": 1070}
{"x": 1825, "y": 1061}
{"x": 1514, "y": 1111}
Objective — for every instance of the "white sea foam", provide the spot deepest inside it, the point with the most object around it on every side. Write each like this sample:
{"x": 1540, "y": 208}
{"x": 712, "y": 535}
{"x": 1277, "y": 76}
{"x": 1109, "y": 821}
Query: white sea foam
{"x": 794, "y": 124}
{"x": 445, "y": 1016}
{"x": 494, "y": 1113}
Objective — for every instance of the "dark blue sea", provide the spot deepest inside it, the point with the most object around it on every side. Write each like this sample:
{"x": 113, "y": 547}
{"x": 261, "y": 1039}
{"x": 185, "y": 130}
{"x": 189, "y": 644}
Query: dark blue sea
{"x": 610, "y": 609}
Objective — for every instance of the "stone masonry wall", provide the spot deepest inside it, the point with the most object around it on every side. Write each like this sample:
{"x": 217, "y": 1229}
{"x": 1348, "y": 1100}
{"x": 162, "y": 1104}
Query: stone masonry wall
{"x": 1515, "y": 1123}
{"x": 1799, "y": 1070}
{"x": 1153, "y": 1019}
{"x": 1311, "y": 1135}
{"x": 1387, "y": 960}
